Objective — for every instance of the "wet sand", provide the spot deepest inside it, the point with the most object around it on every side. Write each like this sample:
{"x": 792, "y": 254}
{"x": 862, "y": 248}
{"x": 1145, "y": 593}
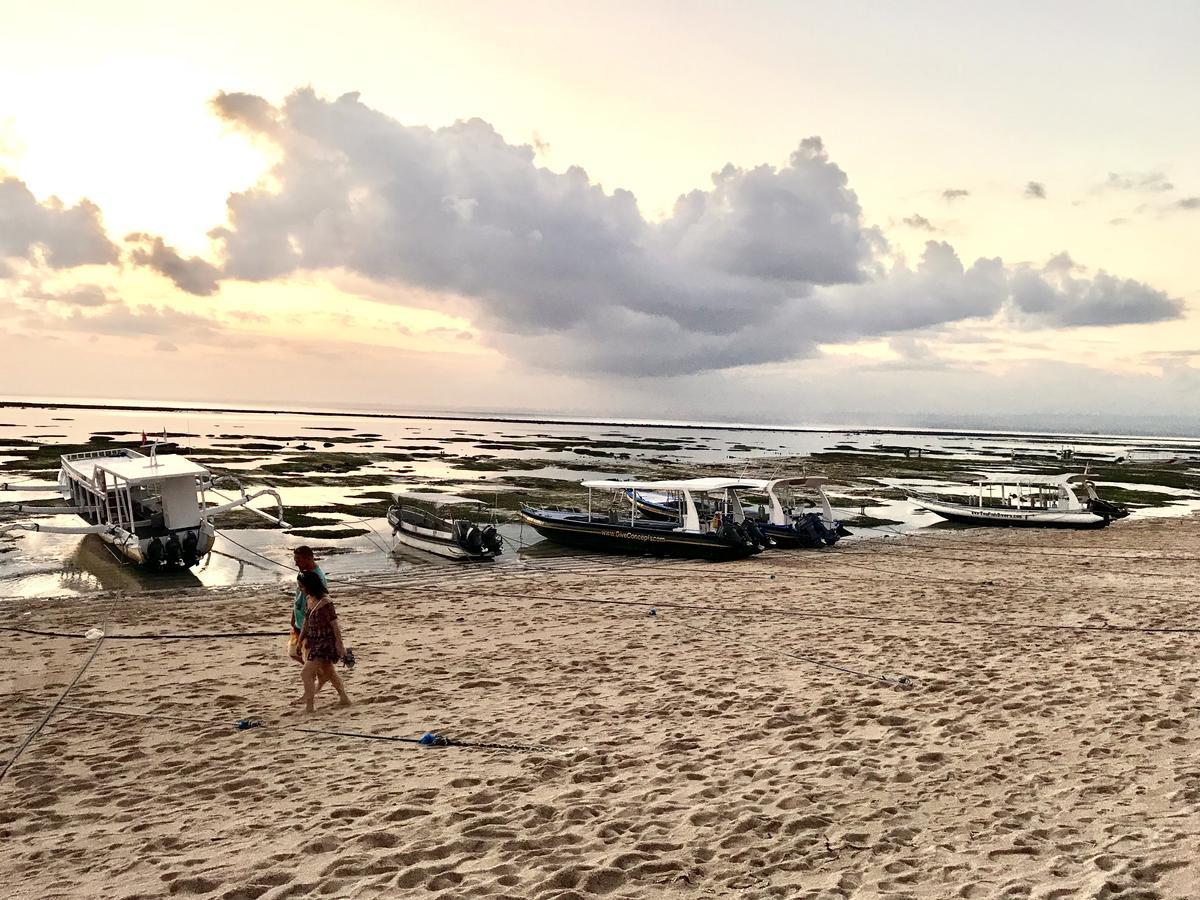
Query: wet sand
{"x": 691, "y": 755}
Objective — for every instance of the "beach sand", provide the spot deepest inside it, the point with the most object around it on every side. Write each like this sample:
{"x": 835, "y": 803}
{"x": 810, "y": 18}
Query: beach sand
{"x": 689, "y": 753}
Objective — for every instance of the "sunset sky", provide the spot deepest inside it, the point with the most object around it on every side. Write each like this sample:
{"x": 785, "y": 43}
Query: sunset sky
{"x": 788, "y": 212}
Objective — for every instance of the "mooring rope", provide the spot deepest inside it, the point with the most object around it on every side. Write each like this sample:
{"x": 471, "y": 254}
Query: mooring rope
{"x": 16, "y": 754}
{"x": 431, "y": 740}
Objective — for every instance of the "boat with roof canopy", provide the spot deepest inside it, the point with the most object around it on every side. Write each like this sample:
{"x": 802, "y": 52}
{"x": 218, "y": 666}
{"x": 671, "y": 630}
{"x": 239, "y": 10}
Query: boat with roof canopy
{"x": 1036, "y": 501}
{"x": 786, "y": 513}
{"x": 616, "y": 524}
{"x": 792, "y": 519}
{"x": 151, "y": 509}
{"x": 444, "y": 524}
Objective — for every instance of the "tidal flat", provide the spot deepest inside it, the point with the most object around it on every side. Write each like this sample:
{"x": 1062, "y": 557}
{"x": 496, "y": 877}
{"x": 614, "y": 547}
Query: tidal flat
{"x": 336, "y": 474}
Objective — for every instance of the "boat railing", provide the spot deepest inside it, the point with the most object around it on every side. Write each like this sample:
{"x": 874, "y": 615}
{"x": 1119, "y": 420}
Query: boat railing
{"x": 93, "y": 454}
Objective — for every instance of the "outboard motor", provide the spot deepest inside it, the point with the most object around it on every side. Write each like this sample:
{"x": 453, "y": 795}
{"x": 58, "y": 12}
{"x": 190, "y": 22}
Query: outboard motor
{"x": 191, "y": 544}
{"x": 174, "y": 550}
{"x": 468, "y": 536}
{"x": 154, "y": 553}
{"x": 491, "y": 539}
{"x": 755, "y": 534}
{"x": 828, "y": 535}
{"x": 806, "y": 529}
{"x": 1107, "y": 509}
{"x": 729, "y": 532}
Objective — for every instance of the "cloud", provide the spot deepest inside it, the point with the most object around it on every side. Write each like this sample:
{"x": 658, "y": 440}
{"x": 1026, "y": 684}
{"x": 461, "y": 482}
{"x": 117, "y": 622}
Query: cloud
{"x": 952, "y": 194}
{"x": 65, "y": 236}
{"x": 764, "y": 265}
{"x": 1035, "y": 190}
{"x": 459, "y": 211}
{"x": 86, "y": 295}
{"x": 194, "y": 275}
{"x": 919, "y": 222}
{"x": 1142, "y": 182}
{"x": 1188, "y": 203}
{"x": 119, "y": 319}
{"x": 940, "y": 290}
{"x": 1061, "y": 295}
{"x": 249, "y": 111}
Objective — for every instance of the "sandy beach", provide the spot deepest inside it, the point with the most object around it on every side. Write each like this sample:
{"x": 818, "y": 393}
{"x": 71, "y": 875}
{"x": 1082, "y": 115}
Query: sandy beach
{"x": 893, "y": 718}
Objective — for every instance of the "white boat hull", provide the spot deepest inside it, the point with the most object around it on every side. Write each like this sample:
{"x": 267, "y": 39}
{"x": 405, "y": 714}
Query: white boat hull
{"x": 1010, "y": 517}
{"x": 431, "y": 541}
{"x": 137, "y": 551}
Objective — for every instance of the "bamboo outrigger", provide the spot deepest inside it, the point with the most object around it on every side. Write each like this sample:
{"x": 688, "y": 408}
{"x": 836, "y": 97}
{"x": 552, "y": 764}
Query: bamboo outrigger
{"x": 152, "y": 510}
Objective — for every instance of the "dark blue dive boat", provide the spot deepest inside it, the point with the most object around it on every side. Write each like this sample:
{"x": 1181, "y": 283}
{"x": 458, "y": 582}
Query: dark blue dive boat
{"x": 615, "y": 531}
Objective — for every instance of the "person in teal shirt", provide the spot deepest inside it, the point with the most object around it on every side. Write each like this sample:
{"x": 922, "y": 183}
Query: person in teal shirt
{"x": 306, "y": 561}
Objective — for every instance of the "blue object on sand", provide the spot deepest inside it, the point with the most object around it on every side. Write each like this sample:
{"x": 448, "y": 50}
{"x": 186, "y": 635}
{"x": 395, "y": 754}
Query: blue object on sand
{"x": 243, "y": 724}
{"x": 429, "y": 739}
{"x": 653, "y": 611}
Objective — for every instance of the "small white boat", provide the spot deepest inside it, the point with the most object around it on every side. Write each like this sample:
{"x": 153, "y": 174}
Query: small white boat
{"x": 152, "y": 510}
{"x": 1037, "y": 501}
{"x": 442, "y": 524}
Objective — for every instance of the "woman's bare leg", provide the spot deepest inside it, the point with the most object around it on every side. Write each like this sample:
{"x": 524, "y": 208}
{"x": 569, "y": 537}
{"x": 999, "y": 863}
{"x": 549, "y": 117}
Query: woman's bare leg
{"x": 322, "y": 678}
{"x": 335, "y": 679}
{"x": 308, "y": 675}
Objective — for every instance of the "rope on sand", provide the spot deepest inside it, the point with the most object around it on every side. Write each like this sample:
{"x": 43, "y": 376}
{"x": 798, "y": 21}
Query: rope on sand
{"x": 429, "y": 739}
{"x": 50, "y": 712}
{"x": 148, "y": 637}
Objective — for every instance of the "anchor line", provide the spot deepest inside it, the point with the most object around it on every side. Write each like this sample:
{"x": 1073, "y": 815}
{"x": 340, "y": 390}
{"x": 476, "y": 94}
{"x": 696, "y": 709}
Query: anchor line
{"x": 16, "y": 754}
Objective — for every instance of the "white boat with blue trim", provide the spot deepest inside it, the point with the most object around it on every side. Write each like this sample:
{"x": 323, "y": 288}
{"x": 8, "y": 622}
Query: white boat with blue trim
{"x": 1031, "y": 501}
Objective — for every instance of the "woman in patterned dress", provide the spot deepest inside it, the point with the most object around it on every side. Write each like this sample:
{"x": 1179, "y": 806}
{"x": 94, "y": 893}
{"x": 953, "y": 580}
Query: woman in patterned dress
{"x": 321, "y": 641}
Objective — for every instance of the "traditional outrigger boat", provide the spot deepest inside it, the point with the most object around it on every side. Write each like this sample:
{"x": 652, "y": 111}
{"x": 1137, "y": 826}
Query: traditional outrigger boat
{"x": 427, "y": 521}
{"x": 725, "y": 536}
{"x": 153, "y": 510}
{"x": 786, "y": 520}
{"x": 1037, "y": 501}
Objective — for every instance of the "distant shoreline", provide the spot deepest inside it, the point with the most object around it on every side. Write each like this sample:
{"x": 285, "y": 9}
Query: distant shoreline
{"x": 606, "y": 423}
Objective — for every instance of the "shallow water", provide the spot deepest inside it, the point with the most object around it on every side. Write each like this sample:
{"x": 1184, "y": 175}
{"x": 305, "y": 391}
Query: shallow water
{"x": 456, "y": 455}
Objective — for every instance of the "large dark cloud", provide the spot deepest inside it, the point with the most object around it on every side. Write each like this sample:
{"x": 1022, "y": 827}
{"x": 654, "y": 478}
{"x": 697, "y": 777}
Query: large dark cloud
{"x": 66, "y": 236}
{"x": 764, "y": 265}
{"x": 536, "y": 252}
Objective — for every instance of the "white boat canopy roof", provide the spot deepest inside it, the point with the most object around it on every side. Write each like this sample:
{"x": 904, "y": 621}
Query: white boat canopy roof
{"x": 146, "y": 469}
{"x": 1043, "y": 480}
{"x": 435, "y": 498}
{"x": 763, "y": 484}
{"x": 695, "y": 485}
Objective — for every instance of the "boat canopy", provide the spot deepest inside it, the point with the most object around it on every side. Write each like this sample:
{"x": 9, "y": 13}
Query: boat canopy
{"x": 691, "y": 485}
{"x": 146, "y": 469}
{"x": 1036, "y": 480}
{"x": 764, "y": 484}
{"x": 436, "y": 498}
{"x": 768, "y": 486}
{"x": 686, "y": 486}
